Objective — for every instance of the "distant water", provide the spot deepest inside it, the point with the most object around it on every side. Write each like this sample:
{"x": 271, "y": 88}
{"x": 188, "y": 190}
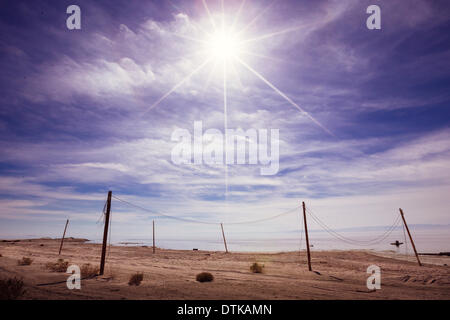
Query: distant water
{"x": 432, "y": 240}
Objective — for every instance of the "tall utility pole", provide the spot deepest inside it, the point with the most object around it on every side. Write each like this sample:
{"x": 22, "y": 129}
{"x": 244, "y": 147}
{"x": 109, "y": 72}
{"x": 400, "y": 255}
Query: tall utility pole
{"x": 62, "y": 239}
{"x": 307, "y": 238}
{"x": 410, "y": 237}
{"x": 224, "y": 240}
{"x": 153, "y": 236}
{"x": 105, "y": 233}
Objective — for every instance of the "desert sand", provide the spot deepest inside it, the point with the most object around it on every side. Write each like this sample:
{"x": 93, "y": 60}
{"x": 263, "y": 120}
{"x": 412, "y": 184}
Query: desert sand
{"x": 170, "y": 274}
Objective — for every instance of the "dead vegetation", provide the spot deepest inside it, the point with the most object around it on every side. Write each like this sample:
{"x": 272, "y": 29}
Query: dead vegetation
{"x": 136, "y": 279}
{"x": 58, "y": 266}
{"x": 204, "y": 277}
{"x": 11, "y": 289}
{"x": 88, "y": 270}
{"x": 256, "y": 268}
{"x": 25, "y": 261}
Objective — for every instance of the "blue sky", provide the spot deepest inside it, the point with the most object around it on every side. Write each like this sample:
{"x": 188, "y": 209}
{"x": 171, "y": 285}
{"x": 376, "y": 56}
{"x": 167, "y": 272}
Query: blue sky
{"x": 73, "y": 123}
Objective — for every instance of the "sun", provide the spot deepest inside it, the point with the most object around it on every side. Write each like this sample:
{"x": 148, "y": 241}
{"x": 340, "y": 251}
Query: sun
{"x": 223, "y": 45}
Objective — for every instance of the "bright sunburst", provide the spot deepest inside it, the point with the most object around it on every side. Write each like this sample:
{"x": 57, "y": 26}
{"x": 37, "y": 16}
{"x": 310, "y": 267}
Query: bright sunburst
{"x": 222, "y": 44}
{"x": 226, "y": 45}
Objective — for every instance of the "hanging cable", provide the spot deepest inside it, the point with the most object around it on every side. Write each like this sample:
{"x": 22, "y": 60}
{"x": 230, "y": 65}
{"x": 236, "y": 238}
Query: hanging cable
{"x": 162, "y": 214}
{"x": 381, "y": 237}
{"x": 406, "y": 241}
{"x": 352, "y": 241}
{"x": 109, "y": 236}
{"x": 103, "y": 213}
{"x": 205, "y": 222}
{"x": 323, "y": 225}
{"x": 266, "y": 219}
{"x": 335, "y": 234}
{"x": 302, "y": 226}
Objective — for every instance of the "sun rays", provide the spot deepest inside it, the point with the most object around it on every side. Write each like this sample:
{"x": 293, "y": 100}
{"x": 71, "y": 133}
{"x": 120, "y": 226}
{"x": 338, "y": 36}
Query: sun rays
{"x": 223, "y": 46}
{"x": 284, "y": 96}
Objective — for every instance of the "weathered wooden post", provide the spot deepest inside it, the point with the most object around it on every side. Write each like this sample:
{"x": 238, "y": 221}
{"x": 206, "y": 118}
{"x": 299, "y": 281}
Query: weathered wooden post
{"x": 224, "y": 240}
{"x": 62, "y": 239}
{"x": 154, "y": 236}
{"x": 410, "y": 237}
{"x": 307, "y": 238}
{"x": 105, "y": 234}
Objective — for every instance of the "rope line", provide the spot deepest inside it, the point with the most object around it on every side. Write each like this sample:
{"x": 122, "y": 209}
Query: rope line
{"x": 347, "y": 240}
{"x": 109, "y": 235}
{"x": 406, "y": 241}
{"x": 202, "y": 221}
{"x": 302, "y": 227}
{"x": 389, "y": 230}
{"x": 352, "y": 241}
{"x": 268, "y": 218}
{"x": 102, "y": 215}
{"x": 64, "y": 281}
{"x": 323, "y": 225}
{"x": 162, "y": 214}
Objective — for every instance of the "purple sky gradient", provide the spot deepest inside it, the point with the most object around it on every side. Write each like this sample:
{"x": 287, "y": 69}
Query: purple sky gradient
{"x": 73, "y": 122}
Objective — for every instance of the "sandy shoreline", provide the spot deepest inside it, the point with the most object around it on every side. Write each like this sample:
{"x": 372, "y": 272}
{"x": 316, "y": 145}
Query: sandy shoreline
{"x": 170, "y": 274}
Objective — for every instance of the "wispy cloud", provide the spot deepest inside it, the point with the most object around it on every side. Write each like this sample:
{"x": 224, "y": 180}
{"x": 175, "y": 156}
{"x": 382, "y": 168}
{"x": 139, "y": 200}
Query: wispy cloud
{"x": 73, "y": 122}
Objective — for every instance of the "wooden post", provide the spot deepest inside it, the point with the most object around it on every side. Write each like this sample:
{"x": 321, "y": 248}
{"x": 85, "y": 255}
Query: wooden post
{"x": 62, "y": 239}
{"x": 410, "y": 237}
{"x": 307, "y": 238}
{"x": 224, "y": 240}
{"x": 153, "y": 236}
{"x": 105, "y": 234}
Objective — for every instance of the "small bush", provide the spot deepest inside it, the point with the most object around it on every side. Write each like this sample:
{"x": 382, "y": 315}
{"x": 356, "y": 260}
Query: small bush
{"x": 136, "y": 279}
{"x": 89, "y": 271}
{"x": 58, "y": 266}
{"x": 204, "y": 277}
{"x": 25, "y": 261}
{"x": 1, "y": 255}
{"x": 256, "y": 268}
{"x": 11, "y": 289}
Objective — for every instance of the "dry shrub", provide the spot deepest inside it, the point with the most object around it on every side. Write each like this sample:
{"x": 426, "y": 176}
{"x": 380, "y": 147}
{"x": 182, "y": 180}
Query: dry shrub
{"x": 89, "y": 271}
{"x": 256, "y": 268}
{"x": 204, "y": 277}
{"x": 58, "y": 266}
{"x": 136, "y": 279}
{"x": 25, "y": 261}
{"x": 11, "y": 289}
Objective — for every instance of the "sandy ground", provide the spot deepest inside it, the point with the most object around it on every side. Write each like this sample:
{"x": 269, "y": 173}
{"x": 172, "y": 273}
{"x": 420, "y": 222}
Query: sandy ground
{"x": 170, "y": 274}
